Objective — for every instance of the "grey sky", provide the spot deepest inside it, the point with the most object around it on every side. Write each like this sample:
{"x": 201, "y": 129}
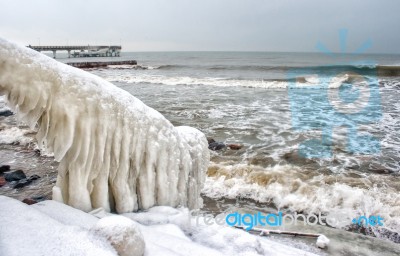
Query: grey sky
{"x": 182, "y": 25}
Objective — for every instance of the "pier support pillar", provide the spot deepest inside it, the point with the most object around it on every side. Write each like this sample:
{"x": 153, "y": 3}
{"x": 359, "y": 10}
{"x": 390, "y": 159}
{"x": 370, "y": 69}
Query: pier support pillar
{"x": 69, "y": 53}
{"x": 54, "y": 54}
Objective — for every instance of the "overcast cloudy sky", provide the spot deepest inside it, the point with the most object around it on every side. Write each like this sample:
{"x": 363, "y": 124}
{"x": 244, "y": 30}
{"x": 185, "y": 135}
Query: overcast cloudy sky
{"x": 206, "y": 25}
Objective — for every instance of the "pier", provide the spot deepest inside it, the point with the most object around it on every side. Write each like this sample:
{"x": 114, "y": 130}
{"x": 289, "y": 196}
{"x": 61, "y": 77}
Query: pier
{"x": 82, "y": 51}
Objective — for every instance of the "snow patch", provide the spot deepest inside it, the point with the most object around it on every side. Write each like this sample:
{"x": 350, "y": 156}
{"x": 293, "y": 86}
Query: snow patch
{"x": 52, "y": 228}
{"x": 28, "y": 231}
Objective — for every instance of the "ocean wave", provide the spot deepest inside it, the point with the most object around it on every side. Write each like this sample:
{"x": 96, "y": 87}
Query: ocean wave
{"x": 287, "y": 67}
{"x": 136, "y": 67}
{"x": 322, "y": 70}
{"x": 312, "y": 81}
{"x": 380, "y": 70}
{"x": 390, "y": 69}
{"x": 145, "y": 67}
{"x": 170, "y": 66}
{"x": 302, "y": 190}
{"x": 185, "y": 80}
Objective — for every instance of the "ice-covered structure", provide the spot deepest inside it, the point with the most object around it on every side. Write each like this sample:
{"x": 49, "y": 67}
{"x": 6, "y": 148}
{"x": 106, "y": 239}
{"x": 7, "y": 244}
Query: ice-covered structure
{"x": 114, "y": 151}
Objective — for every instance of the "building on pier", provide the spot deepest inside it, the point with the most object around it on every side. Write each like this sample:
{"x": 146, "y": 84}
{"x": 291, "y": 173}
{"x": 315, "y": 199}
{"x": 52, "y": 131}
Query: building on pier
{"x": 82, "y": 51}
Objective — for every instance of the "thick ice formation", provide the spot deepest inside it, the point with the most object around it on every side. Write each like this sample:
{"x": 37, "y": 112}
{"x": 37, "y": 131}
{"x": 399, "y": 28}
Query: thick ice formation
{"x": 114, "y": 151}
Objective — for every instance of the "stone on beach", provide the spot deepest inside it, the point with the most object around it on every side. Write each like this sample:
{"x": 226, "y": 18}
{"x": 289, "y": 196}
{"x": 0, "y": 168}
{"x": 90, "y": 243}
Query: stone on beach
{"x": 22, "y": 183}
{"x": 4, "y": 168}
{"x": 2, "y": 181}
{"x": 6, "y": 113}
{"x": 34, "y": 177}
{"x": 216, "y": 146}
{"x": 234, "y": 146}
{"x": 29, "y": 201}
{"x": 14, "y": 175}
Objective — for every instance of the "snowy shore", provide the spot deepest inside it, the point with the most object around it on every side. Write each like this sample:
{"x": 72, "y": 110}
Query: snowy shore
{"x": 52, "y": 228}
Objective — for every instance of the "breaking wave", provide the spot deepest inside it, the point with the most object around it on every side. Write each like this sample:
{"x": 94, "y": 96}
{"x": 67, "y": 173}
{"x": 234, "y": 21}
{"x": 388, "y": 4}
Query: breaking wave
{"x": 313, "y": 82}
{"x": 301, "y": 190}
{"x": 381, "y": 70}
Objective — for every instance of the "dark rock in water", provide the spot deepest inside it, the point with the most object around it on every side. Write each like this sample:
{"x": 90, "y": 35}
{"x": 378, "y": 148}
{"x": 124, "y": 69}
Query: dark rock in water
{"x": 216, "y": 145}
{"x": 34, "y": 177}
{"x": 4, "y": 168}
{"x": 39, "y": 198}
{"x": 22, "y": 183}
{"x": 14, "y": 176}
{"x": 262, "y": 161}
{"x": 2, "y": 181}
{"x": 210, "y": 140}
{"x": 379, "y": 169}
{"x": 6, "y": 113}
{"x": 234, "y": 146}
{"x": 29, "y": 201}
{"x": 294, "y": 158}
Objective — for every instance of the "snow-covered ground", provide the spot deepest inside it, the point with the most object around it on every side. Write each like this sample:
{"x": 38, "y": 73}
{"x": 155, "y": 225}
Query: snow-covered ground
{"x": 52, "y": 228}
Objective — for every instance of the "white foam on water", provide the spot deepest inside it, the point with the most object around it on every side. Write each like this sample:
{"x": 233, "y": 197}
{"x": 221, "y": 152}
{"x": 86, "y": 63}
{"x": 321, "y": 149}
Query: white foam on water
{"x": 3, "y": 104}
{"x": 15, "y": 135}
{"x": 185, "y": 80}
{"x": 301, "y": 190}
{"x": 312, "y": 81}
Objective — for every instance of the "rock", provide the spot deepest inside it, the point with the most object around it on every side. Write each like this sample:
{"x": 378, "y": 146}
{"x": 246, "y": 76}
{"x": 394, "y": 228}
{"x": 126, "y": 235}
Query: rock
{"x": 378, "y": 168}
{"x": 22, "y": 183}
{"x": 322, "y": 242}
{"x": 216, "y": 145}
{"x": 234, "y": 146}
{"x": 29, "y": 201}
{"x": 123, "y": 234}
{"x": 262, "y": 161}
{"x": 14, "y": 176}
{"x": 39, "y": 198}
{"x": 6, "y": 113}
{"x": 4, "y": 168}
{"x": 2, "y": 181}
{"x": 294, "y": 158}
{"x": 34, "y": 177}
{"x": 210, "y": 140}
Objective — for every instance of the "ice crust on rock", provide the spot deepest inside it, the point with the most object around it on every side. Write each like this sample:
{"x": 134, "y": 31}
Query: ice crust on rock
{"x": 122, "y": 233}
{"x": 322, "y": 242}
{"x": 115, "y": 152}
